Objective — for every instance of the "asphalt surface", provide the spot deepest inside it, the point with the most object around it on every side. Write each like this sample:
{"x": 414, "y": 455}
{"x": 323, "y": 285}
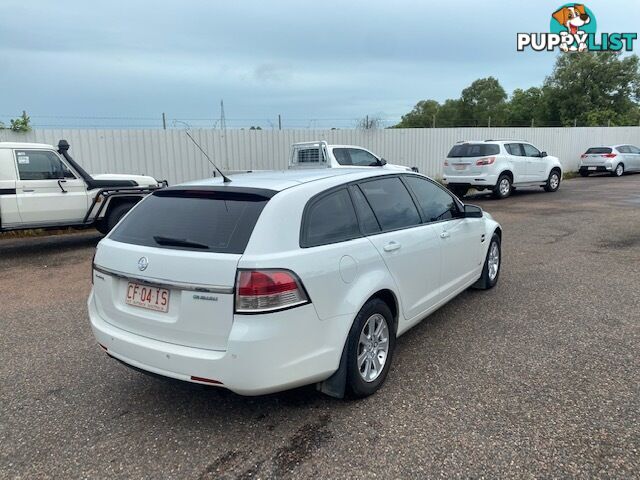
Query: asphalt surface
{"x": 539, "y": 377}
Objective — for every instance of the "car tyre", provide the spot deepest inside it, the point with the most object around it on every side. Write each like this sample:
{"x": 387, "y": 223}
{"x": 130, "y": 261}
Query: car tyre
{"x": 370, "y": 346}
{"x": 115, "y": 214}
{"x": 458, "y": 191}
{"x": 584, "y": 173}
{"x": 618, "y": 171}
{"x": 553, "y": 182}
{"x": 503, "y": 187}
{"x": 492, "y": 264}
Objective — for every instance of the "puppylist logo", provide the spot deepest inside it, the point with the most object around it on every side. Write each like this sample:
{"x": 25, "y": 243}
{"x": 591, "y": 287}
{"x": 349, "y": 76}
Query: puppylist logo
{"x": 573, "y": 29}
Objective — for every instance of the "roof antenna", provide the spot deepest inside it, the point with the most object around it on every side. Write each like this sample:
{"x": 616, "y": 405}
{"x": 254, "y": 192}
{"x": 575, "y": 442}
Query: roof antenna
{"x": 225, "y": 179}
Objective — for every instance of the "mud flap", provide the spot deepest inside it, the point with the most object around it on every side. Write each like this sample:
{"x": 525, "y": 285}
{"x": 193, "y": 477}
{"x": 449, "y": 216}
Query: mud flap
{"x": 336, "y": 384}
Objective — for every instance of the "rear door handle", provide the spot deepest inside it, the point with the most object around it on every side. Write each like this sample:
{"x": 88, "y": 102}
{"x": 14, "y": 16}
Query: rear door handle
{"x": 391, "y": 247}
{"x": 445, "y": 234}
{"x": 28, "y": 190}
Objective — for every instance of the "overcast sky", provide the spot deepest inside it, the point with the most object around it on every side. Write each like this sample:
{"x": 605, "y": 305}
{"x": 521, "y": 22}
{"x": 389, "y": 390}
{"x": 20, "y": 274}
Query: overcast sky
{"x": 317, "y": 63}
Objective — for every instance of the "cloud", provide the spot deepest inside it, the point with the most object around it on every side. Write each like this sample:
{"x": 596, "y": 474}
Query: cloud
{"x": 342, "y": 60}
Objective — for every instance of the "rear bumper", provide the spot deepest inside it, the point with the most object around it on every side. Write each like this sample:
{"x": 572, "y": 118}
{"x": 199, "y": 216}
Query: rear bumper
{"x": 265, "y": 353}
{"x": 481, "y": 180}
{"x": 596, "y": 168}
{"x": 606, "y": 166}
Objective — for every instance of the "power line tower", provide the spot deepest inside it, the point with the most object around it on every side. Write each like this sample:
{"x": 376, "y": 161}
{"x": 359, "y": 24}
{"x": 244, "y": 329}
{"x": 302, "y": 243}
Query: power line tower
{"x": 223, "y": 120}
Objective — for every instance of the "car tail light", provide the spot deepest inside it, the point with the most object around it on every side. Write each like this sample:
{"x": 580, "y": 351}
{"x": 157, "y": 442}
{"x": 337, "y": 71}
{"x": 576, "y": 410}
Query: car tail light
{"x": 485, "y": 161}
{"x": 609, "y": 155}
{"x": 446, "y": 163}
{"x": 584, "y": 155}
{"x": 259, "y": 291}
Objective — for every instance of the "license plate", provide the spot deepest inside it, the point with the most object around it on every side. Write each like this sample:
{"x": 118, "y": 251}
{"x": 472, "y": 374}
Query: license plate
{"x": 591, "y": 168}
{"x": 144, "y": 296}
{"x": 459, "y": 167}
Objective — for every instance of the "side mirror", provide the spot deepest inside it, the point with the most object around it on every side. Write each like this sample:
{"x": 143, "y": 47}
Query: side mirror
{"x": 543, "y": 154}
{"x": 382, "y": 161}
{"x": 472, "y": 211}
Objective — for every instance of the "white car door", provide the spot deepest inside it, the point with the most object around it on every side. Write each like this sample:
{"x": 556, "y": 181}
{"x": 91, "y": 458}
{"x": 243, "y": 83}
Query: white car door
{"x": 8, "y": 204}
{"x": 460, "y": 238}
{"x": 48, "y": 192}
{"x": 518, "y": 161}
{"x": 635, "y": 154}
{"x": 536, "y": 165}
{"x": 410, "y": 249}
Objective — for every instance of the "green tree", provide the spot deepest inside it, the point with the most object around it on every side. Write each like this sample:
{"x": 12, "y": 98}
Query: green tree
{"x": 594, "y": 88}
{"x": 526, "y": 106}
{"x": 484, "y": 99}
{"x": 450, "y": 114}
{"x": 20, "y": 124}
{"x": 421, "y": 116}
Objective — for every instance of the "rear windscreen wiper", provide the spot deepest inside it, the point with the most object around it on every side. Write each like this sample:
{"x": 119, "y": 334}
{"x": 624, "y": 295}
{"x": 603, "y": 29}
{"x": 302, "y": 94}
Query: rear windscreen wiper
{"x": 179, "y": 242}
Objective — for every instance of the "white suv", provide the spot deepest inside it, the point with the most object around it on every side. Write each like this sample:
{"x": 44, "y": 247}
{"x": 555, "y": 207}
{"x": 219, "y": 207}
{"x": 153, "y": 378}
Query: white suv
{"x": 276, "y": 280}
{"x": 500, "y": 166}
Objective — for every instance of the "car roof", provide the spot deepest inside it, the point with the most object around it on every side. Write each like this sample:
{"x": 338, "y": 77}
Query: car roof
{"x": 279, "y": 180}
{"x": 25, "y": 145}
{"x": 504, "y": 140}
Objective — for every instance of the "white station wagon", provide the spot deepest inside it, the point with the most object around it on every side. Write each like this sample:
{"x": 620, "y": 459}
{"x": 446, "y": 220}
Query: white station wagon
{"x": 282, "y": 279}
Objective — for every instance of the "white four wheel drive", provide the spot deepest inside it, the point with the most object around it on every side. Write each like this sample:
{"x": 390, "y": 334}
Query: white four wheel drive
{"x": 275, "y": 280}
{"x": 41, "y": 187}
{"x": 614, "y": 159}
{"x": 322, "y": 155}
{"x": 500, "y": 166}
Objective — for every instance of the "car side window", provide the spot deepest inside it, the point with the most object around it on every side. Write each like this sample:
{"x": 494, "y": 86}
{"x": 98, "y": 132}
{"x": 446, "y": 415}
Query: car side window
{"x": 342, "y": 156}
{"x": 436, "y": 203}
{"x": 624, "y": 149}
{"x": 514, "y": 149}
{"x": 330, "y": 219}
{"x": 361, "y": 158}
{"x": 530, "y": 150}
{"x": 41, "y": 165}
{"x": 368, "y": 221}
{"x": 633, "y": 149}
{"x": 391, "y": 203}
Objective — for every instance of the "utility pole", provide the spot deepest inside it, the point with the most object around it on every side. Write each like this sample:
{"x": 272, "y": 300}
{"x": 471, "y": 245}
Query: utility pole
{"x": 575, "y": 122}
{"x": 366, "y": 122}
{"x": 489, "y": 123}
{"x": 532, "y": 123}
{"x": 279, "y": 122}
{"x": 164, "y": 121}
{"x": 223, "y": 120}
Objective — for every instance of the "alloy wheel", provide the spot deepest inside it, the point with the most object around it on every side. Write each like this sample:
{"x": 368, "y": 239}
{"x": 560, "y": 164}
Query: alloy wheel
{"x": 505, "y": 187}
{"x": 494, "y": 261}
{"x": 373, "y": 347}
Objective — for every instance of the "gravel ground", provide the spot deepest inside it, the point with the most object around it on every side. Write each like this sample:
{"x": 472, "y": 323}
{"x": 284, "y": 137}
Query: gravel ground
{"x": 538, "y": 377}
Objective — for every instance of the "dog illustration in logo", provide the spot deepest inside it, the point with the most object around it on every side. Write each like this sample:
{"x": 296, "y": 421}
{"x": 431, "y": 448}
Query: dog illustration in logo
{"x": 572, "y": 17}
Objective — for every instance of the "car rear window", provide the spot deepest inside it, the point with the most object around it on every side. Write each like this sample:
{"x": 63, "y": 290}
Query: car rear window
{"x": 473, "y": 150}
{"x": 202, "y": 220}
{"x": 597, "y": 150}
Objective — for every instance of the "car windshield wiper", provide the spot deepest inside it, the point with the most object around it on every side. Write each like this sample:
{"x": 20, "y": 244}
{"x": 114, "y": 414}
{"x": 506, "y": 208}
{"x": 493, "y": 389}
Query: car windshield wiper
{"x": 179, "y": 242}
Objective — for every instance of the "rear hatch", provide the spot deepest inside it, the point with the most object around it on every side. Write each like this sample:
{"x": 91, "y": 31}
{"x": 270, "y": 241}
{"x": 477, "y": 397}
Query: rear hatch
{"x": 168, "y": 270}
{"x": 463, "y": 158}
{"x": 596, "y": 156}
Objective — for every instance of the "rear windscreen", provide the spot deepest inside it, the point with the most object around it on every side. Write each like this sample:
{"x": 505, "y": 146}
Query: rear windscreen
{"x": 473, "y": 150}
{"x": 206, "y": 221}
{"x": 597, "y": 150}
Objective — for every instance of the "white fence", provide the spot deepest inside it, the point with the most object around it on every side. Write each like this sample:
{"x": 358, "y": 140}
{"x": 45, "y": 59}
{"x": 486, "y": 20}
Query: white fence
{"x": 169, "y": 154}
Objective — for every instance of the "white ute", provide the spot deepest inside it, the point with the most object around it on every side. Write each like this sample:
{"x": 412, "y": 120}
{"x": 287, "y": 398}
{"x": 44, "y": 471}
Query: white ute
{"x": 278, "y": 279}
{"x": 41, "y": 187}
{"x": 322, "y": 155}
